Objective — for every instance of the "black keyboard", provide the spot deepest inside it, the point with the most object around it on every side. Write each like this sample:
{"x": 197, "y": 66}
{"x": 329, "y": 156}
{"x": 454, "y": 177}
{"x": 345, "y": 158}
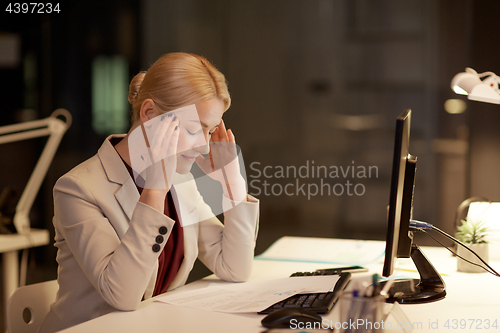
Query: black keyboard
{"x": 317, "y": 302}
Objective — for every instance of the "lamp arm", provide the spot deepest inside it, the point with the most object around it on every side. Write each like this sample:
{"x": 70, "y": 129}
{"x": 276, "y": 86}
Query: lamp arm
{"x": 55, "y": 129}
{"x": 486, "y": 74}
{"x": 19, "y": 136}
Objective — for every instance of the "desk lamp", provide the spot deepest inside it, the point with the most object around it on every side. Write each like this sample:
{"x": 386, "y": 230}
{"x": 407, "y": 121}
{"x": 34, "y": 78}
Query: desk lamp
{"x": 469, "y": 83}
{"x": 55, "y": 129}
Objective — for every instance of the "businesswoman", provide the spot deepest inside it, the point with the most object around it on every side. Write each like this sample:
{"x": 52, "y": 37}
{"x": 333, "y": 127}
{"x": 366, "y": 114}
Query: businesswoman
{"x": 127, "y": 232}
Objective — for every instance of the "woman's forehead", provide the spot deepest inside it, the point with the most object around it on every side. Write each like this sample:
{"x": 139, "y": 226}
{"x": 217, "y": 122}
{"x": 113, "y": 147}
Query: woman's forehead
{"x": 206, "y": 114}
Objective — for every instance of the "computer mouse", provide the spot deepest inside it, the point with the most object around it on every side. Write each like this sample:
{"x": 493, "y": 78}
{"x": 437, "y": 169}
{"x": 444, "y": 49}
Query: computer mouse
{"x": 290, "y": 318}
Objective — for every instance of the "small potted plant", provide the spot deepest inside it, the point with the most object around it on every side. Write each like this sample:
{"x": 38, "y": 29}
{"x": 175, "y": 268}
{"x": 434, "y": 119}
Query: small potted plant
{"x": 473, "y": 234}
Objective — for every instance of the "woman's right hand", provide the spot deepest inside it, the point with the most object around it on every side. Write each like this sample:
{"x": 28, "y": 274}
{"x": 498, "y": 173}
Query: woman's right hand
{"x": 153, "y": 150}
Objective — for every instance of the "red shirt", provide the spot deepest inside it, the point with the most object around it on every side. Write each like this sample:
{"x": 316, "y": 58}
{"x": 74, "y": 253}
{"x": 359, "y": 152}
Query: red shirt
{"x": 170, "y": 258}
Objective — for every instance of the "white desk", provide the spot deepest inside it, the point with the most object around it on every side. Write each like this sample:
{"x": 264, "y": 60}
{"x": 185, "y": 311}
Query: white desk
{"x": 9, "y": 247}
{"x": 469, "y": 296}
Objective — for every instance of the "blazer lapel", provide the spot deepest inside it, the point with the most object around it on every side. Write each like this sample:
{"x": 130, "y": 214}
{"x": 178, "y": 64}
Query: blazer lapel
{"x": 128, "y": 195}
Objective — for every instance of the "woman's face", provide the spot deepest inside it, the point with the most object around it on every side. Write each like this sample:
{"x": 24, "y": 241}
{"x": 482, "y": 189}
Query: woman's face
{"x": 196, "y": 126}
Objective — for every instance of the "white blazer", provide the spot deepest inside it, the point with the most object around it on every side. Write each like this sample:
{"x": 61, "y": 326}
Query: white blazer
{"x": 105, "y": 238}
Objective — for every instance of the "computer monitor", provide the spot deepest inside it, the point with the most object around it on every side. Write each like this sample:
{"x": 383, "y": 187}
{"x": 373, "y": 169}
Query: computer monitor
{"x": 399, "y": 237}
{"x": 399, "y": 240}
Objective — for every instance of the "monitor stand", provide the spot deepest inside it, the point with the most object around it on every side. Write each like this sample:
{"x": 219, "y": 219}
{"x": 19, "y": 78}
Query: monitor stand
{"x": 429, "y": 288}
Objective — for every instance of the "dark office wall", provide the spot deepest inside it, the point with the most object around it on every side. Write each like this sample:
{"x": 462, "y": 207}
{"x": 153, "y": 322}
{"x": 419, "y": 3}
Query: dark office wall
{"x": 466, "y": 40}
{"x": 300, "y": 73}
{"x": 485, "y": 118}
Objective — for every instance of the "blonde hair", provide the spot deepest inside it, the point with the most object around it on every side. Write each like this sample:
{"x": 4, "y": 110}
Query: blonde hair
{"x": 176, "y": 80}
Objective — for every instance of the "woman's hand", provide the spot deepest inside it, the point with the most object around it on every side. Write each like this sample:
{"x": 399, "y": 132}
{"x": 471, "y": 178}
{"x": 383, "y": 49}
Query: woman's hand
{"x": 222, "y": 163}
{"x": 153, "y": 149}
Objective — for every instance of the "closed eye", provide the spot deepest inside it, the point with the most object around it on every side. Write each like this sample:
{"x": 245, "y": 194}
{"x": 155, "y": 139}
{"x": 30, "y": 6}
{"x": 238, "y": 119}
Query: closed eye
{"x": 199, "y": 131}
{"x": 191, "y": 133}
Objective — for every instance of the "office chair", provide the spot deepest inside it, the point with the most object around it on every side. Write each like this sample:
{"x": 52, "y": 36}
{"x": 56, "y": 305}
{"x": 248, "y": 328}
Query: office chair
{"x": 28, "y": 306}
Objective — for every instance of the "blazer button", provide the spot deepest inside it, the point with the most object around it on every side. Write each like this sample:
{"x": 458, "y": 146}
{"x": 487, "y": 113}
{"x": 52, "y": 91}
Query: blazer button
{"x": 163, "y": 230}
{"x": 159, "y": 239}
{"x": 156, "y": 248}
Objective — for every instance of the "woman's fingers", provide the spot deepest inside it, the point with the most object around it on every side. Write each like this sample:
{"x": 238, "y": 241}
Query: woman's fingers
{"x": 165, "y": 128}
{"x": 220, "y": 134}
{"x": 162, "y": 136}
{"x": 222, "y": 131}
{"x": 168, "y": 147}
{"x": 215, "y": 135}
{"x": 173, "y": 134}
{"x": 230, "y": 136}
{"x": 231, "y": 142}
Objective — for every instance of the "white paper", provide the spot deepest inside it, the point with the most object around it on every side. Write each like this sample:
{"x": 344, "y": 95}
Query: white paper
{"x": 325, "y": 250}
{"x": 250, "y": 296}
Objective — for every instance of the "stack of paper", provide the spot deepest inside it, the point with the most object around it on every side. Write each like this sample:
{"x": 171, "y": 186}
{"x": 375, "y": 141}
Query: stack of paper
{"x": 250, "y": 296}
{"x": 345, "y": 252}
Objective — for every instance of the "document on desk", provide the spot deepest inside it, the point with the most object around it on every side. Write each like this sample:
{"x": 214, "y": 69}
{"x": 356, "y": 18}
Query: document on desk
{"x": 250, "y": 296}
{"x": 325, "y": 250}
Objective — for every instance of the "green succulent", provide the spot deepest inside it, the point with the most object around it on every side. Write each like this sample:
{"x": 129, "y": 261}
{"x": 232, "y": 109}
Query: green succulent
{"x": 472, "y": 232}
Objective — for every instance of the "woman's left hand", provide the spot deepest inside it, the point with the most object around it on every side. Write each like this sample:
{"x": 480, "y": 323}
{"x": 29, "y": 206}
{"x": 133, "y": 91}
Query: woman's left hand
{"x": 222, "y": 163}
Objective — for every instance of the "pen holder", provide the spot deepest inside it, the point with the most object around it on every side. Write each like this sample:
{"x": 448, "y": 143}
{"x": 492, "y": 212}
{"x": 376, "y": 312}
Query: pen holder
{"x": 361, "y": 314}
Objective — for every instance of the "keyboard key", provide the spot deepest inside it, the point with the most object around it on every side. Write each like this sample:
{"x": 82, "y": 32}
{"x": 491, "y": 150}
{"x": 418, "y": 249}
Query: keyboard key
{"x": 309, "y": 301}
{"x": 290, "y": 303}
{"x": 278, "y": 305}
{"x": 301, "y": 300}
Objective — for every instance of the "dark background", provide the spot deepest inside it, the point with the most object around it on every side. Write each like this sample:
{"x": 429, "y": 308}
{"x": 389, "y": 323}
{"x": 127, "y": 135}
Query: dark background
{"x": 316, "y": 80}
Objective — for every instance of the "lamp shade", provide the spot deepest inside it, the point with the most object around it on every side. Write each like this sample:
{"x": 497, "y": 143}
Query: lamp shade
{"x": 469, "y": 83}
{"x": 484, "y": 93}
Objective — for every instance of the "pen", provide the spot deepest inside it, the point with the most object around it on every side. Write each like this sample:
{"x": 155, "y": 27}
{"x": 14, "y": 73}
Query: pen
{"x": 375, "y": 285}
{"x": 353, "y": 309}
